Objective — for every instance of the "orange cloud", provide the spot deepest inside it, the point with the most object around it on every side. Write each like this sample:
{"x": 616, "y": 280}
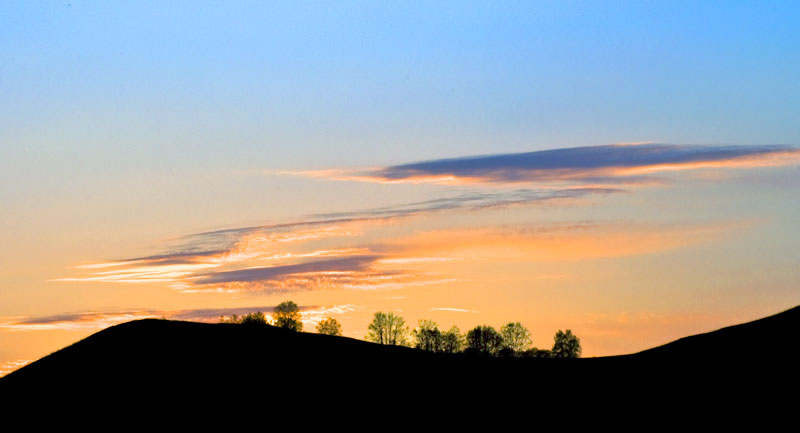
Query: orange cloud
{"x": 560, "y": 242}
{"x": 360, "y": 175}
{"x": 258, "y": 263}
{"x": 248, "y": 248}
{"x": 254, "y": 264}
{"x": 9, "y": 366}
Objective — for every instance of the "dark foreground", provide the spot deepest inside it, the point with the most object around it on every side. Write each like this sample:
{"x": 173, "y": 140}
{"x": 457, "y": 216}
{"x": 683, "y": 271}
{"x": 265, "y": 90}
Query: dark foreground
{"x": 223, "y": 361}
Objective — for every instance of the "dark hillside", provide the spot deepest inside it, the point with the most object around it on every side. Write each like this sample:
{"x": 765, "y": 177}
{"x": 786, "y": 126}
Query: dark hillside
{"x": 224, "y": 359}
{"x": 773, "y": 338}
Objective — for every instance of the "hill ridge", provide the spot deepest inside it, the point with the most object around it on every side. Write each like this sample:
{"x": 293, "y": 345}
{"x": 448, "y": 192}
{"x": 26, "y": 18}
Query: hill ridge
{"x": 202, "y": 357}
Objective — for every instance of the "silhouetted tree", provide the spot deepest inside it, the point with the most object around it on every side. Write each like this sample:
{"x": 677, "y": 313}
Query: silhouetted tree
{"x": 516, "y": 337}
{"x": 287, "y": 315}
{"x": 428, "y": 336}
{"x": 329, "y": 326}
{"x": 485, "y": 340}
{"x": 566, "y": 345}
{"x": 387, "y": 328}
{"x": 453, "y": 340}
{"x": 256, "y": 318}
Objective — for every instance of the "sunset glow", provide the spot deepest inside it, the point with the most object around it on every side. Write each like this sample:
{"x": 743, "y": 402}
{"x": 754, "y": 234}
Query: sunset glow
{"x": 629, "y": 172}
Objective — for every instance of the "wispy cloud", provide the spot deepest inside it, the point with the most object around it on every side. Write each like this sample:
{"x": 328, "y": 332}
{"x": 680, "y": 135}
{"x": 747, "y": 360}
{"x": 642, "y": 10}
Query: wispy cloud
{"x": 558, "y": 242}
{"x": 475, "y": 200}
{"x": 598, "y": 165}
{"x": 355, "y": 272}
{"x": 406, "y": 261}
{"x": 335, "y": 266}
{"x": 313, "y": 316}
{"x": 9, "y": 366}
{"x": 451, "y": 309}
{"x": 268, "y": 272}
{"x": 275, "y": 258}
{"x": 288, "y": 257}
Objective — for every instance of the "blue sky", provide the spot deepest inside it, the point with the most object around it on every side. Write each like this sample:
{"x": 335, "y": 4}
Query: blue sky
{"x": 127, "y": 128}
{"x": 394, "y": 82}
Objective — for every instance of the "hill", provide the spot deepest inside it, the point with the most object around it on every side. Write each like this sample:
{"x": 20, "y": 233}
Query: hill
{"x": 154, "y": 355}
{"x": 771, "y": 339}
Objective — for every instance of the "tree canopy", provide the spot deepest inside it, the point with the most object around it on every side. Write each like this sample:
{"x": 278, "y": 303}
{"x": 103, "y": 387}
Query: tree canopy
{"x": 287, "y": 315}
{"x": 452, "y": 340}
{"x": 257, "y": 318}
{"x": 428, "y": 336}
{"x": 513, "y": 339}
{"x": 484, "y": 340}
{"x": 387, "y": 328}
{"x": 566, "y": 345}
{"x": 516, "y": 337}
{"x": 329, "y": 326}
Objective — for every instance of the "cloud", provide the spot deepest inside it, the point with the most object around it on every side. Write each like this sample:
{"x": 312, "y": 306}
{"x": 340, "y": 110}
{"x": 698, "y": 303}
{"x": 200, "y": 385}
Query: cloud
{"x": 248, "y": 242}
{"x": 274, "y": 258}
{"x": 451, "y": 309}
{"x": 406, "y": 261}
{"x": 233, "y": 271}
{"x": 242, "y": 240}
{"x": 10, "y": 366}
{"x": 330, "y": 266}
{"x": 355, "y": 272}
{"x": 607, "y": 164}
{"x": 560, "y": 242}
{"x": 313, "y": 316}
{"x": 251, "y": 247}
{"x": 288, "y": 257}
{"x": 475, "y": 200}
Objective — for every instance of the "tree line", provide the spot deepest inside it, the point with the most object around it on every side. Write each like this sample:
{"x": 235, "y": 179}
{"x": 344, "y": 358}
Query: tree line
{"x": 285, "y": 315}
{"x": 512, "y": 340}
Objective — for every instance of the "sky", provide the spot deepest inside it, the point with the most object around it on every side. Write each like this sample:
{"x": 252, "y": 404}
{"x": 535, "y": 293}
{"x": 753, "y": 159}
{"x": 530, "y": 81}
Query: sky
{"x": 626, "y": 170}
